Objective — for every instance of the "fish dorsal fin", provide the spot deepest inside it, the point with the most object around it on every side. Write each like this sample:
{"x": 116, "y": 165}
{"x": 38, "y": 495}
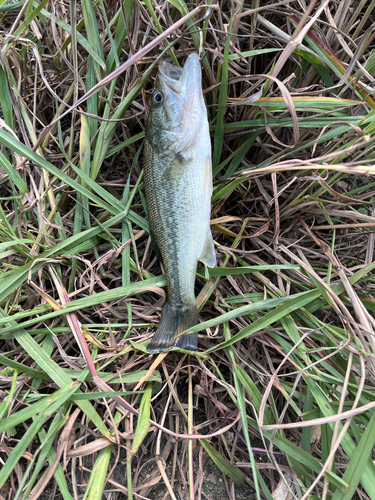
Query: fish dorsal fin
{"x": 208, "y": 255}
{"x": 176, "y": 168}
{"x": 155, "y": 247}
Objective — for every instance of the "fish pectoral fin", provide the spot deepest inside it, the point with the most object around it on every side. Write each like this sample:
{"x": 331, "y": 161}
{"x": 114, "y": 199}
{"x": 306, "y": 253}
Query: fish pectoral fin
{"x": 208, "y": 255}
{"x": 176, "y": 168}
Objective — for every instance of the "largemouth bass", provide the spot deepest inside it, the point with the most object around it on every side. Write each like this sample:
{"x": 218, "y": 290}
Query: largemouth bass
{"x": 178, "y": 182}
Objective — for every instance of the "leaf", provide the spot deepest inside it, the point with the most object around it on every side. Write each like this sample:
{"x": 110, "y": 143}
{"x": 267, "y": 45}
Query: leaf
{"x": 143, "y": 423}
{"x": 33, "y": 14}
{"x": 14, "y": 176}
{"x": 268, "y": 319}
{"x": 317, "y": 104}
{"x": 347, "y": 443}
{"x": 80, "y": 38}
{"x": 98, "y": 475}
{"x": 219, "y": 128}
{"x": 357, "y": 464}
{"x": 56, "y": 373}
{"x": 224, "y": 465}
{"x": 13, "y": 243}
{"x": 92, "y": 29}
{"x": 16, "y": 146}
{"x": 50, "y": 405}
{"x": 249, "y": 53}
{"x": 5, "y": 99}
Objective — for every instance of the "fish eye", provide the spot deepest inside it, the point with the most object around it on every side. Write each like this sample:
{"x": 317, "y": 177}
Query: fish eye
{"x": 157, "y": 98}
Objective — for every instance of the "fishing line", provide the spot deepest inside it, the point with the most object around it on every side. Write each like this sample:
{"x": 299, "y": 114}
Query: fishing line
{"x": 181, "y": 38}
{"x": 170, "y": 45}
{"x": 197, "y": 30}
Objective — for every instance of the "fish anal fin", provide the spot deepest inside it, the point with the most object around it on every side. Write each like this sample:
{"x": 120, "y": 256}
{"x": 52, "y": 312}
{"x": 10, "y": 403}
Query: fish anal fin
{"x": 207, "y": 183}
{"x": 208, "y": 255}
{"x": 176, "y": 168}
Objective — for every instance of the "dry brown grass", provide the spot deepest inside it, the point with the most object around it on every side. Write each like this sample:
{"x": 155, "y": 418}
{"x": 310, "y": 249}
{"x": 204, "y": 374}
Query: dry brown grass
{"x": 287, "y": 340}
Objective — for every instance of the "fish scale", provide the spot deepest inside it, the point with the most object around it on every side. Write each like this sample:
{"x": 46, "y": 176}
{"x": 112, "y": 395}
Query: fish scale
{"x": 178, "y": 186}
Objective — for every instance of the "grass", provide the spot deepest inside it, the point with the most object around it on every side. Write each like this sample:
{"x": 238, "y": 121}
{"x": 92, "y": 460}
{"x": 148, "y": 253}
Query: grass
{"x": 280, "y": 396}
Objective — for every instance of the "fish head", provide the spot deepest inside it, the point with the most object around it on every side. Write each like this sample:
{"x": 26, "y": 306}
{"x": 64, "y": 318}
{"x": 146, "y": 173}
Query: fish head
{"x": 177, "y": 106}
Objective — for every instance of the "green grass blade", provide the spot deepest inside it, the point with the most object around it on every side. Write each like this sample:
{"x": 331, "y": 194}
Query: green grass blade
{"x": 56, "y": 373}
{"x": 80, "y": 38}
{"x": 143, "y": 423}
{"x": 120, "y": 35}
{"x": 98, "y": 475}
{"x": 263, "y": 322}
{"x": 358, "y": 460}
{"x": 92, "y": 31}
{"x": 347, "y": 443}
{"x": 219, "y": 129}
{"x": 224, "y": 465}
{"x": 5, "y": 99}
{"x": 29, "y": 18}
{"x": 14, "y": 145}
{"x": 14, "y": 176}
{"x": 51, "y": 404}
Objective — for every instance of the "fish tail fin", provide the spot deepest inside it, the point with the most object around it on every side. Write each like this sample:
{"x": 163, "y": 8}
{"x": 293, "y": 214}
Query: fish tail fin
{"x": 174, "y": 321}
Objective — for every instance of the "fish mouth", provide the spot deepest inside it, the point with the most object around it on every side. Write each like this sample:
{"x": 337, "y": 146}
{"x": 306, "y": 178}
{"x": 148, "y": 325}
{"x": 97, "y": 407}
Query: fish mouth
{"x": 170, "y": 72}
{"x": 181, "y": 80}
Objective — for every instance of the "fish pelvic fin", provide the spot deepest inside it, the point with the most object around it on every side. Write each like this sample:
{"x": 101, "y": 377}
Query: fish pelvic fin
{"x": 208, "y": 255}
{"x": 173, "y": 321}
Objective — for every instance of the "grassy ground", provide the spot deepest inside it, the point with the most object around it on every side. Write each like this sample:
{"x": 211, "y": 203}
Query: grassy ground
{"x": 280, "y": 397}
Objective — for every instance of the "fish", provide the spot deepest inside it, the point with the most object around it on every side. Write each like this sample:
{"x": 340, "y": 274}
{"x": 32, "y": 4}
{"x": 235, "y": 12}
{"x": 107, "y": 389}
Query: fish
{"x": 178, "y": 189}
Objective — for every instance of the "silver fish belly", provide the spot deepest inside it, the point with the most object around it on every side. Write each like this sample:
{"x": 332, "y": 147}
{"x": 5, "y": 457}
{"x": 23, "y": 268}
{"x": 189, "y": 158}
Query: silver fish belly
{"x": 178, "y": 185}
